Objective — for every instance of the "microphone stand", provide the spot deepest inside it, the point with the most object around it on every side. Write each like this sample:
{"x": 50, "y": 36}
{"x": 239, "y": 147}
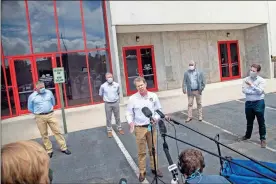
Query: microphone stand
{"x": 173, "y": 167}
{"x": 222, "y": 158}
{"x": 156, "y": 178}
{"x": 218, "y": 146}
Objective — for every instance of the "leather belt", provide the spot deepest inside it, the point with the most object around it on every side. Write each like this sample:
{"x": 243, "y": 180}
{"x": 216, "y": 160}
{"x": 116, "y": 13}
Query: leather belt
{"x": 194, "y": 89}
{"x": 145, "y": 126}
{"x": 45, "y": 113}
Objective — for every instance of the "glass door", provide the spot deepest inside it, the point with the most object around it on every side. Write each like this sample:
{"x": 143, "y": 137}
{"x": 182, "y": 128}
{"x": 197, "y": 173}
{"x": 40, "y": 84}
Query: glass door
{"x": 139, "y": 61}
{"x": 23, "y": 82}
{"x": 44, "y": 72}
{"x": 26, "y": 72}
{"x": 229, "y": 60}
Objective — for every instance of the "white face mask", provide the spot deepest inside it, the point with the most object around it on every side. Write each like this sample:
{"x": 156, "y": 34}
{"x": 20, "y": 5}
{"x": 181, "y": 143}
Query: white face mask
{"x": 253, "y": 74}
{"x": 109, "y": 80}
{"x": 191, "y": 67}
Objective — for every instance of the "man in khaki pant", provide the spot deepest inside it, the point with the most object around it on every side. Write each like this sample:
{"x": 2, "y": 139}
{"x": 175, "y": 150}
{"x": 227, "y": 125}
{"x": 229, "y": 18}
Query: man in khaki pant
{"x": 41, "y": 103}
{"x": 193, "y": 85}
{"x": 140, "y": 124}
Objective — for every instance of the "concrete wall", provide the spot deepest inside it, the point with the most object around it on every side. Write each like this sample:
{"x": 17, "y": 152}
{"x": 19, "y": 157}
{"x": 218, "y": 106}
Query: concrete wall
{"x": 178, "y": 12}
{"x": 173, "y": 50}
{"x": 257, "y": 48}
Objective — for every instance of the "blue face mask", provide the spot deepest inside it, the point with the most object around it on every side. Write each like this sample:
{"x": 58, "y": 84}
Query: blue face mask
{"x": 42, "y": 90}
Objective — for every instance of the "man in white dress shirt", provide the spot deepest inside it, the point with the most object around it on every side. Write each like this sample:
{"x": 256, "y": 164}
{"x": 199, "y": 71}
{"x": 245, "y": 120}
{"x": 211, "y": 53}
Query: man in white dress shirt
{"x": 140, "y": 124}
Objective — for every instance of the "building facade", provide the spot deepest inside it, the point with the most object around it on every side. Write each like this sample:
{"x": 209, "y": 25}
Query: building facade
{"x": 154, "y": 39}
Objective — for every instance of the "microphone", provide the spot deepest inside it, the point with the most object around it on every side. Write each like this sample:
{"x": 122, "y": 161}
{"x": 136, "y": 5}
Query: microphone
{"x": 163, "y": 116}
{"x": 123, "y": 181}
{"x": 172, "y": 167}
{"x": 162, "y": 127}
{"x": 147, "y": 112}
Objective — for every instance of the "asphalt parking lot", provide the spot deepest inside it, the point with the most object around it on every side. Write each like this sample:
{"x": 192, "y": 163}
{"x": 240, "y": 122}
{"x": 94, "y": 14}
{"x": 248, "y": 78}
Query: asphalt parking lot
{"x": 98, "y": 159}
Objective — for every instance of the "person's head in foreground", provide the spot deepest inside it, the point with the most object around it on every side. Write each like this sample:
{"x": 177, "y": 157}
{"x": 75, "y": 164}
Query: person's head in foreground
{"x": 255, "y": 70}
{"x": 191, "y": 162}
{"x": 25, "y": 162}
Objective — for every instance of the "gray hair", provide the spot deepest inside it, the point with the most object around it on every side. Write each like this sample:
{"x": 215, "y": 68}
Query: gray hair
{"x": 192, "y": 62}
{"x": 108, "y": 73}
{"x": 139, "y": 79}
{"x": 39, "y": 83}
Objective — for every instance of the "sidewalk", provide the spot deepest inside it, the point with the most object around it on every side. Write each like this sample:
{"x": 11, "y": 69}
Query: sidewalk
{"x": 24, "y": 127}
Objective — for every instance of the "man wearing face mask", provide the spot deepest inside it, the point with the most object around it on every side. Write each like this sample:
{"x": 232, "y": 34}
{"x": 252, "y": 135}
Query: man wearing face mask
{"x": 41, "y": 103}
{"x": 253, "y": 88}
{"x": 110, "y": 91}
{"x": 193, "y": 85}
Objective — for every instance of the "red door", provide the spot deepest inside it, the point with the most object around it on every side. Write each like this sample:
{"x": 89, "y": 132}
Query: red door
{"x": 139, "y": 61}
{"x": 25, "y": 72}
{"x": 229, "y": 60}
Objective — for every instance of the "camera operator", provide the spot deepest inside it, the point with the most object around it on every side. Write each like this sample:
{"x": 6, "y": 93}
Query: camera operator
{"x": 191, "y": 164}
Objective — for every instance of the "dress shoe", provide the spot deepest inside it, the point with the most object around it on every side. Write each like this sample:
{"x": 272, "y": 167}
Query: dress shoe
{"x": 142, "y": 176}
{"x": 188, "y": 120}
{"x": 67, "y": 152}
{"x": 263, "y": 144}
{"x": 109, "y": 134}
{"x": 50, "y": 154}
{"x": 159, "y": 173}
{"x": 244, "y": 138}
{"x": 121, "y": 132}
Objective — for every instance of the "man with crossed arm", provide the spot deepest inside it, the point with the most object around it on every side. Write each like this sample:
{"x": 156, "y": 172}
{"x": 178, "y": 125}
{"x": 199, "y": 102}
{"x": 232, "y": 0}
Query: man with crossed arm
{"x": 253, "y": 88}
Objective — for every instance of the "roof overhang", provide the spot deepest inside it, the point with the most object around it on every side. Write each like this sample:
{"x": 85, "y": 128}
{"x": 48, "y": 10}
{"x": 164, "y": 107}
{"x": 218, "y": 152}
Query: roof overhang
{"x": 180, "y": 27}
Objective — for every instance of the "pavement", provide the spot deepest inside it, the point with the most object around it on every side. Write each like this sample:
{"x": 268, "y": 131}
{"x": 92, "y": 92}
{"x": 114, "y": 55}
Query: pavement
{"x": 98, "y": 159}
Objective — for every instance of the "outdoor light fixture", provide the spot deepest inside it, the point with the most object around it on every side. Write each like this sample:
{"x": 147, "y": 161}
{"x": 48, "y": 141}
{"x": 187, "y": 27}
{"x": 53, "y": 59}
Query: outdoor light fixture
{"x": 137, "y": 38}
{"x": 227, "y": 34}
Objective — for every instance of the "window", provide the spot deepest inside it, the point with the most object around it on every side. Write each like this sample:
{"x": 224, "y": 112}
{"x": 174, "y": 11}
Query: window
{"x": 94, "y": 24}
{"x": 43, "y": 28}
{"x": 15, "y": 38}
{"x": 77, "y": 80}
{"x": 99, "y": 65}
{"x": 70, "y": 25}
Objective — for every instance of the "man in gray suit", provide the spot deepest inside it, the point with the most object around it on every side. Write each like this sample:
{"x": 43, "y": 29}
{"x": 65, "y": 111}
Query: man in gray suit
{"x": 193, "y": 85}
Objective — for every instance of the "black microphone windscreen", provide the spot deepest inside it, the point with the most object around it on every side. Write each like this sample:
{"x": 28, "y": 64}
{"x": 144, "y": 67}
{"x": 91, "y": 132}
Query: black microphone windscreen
{"x": 123, "y": 181}
{"x": 162, "y": 127}
{"x": 160, "y": 113}
{"x": 146, "y": 111}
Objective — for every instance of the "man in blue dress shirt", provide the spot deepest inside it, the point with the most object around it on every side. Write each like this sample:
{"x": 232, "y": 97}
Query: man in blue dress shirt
{"x": 253, "y": 88}
{"x": 41, "y": 103}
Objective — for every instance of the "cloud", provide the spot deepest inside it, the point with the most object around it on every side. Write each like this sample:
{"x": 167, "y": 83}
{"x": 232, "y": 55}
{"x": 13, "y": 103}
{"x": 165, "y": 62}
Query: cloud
{"x": 43, "y": 26}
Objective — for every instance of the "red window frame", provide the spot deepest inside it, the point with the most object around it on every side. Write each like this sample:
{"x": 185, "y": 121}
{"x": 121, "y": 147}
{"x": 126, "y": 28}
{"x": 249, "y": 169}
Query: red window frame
{"x": 231, "y": 77}
{"x": 53, "y": 54}
{"x": 140, "y": 71}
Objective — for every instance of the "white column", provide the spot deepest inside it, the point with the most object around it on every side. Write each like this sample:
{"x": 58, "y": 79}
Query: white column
{"x": 114, "y": 50}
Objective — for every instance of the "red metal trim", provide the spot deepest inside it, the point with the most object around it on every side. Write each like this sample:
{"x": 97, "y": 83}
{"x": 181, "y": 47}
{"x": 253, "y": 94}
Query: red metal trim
{"x": 231, "y": 77}
{"x": 140, "y": 68}
{"x": 86, "y": 56}
{"x": 154, "y": 70}
{"x": 29, "y": 26}
{"x": 107, "y": 33}
{"x": 56, "y": 21}
{"x": 83, "y": 27}
{"x": 60, "y": 52}
{"x": 6, "y": 83}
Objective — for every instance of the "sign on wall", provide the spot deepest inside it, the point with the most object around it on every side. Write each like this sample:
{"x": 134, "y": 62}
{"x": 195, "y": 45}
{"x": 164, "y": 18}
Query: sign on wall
{"x": 59, "y": 75}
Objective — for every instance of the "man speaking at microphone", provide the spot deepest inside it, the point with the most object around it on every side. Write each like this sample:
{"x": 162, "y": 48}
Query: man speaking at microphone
{"x": 141, "y": 124}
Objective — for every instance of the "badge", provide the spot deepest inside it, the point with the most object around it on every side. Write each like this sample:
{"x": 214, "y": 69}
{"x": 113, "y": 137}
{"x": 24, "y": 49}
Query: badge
{"x": 149, "y": 127}
{"x": 151, "y": 99}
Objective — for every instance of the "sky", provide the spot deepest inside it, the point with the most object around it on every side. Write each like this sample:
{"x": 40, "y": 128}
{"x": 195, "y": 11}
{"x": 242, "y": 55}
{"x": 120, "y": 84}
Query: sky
{"x": 43, "y": 27}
